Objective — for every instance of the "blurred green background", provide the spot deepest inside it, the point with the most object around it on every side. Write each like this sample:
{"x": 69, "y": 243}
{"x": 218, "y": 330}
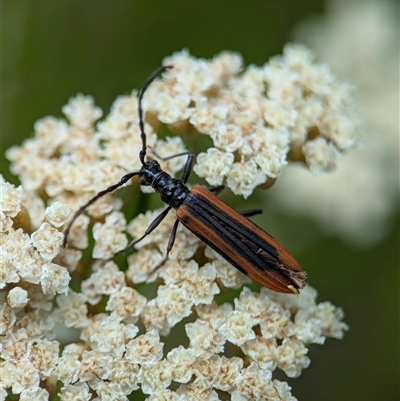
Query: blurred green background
{"x": 52, "y": 50}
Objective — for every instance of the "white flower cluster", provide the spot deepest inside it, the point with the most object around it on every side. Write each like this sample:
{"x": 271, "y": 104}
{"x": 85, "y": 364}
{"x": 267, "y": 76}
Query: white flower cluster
{"x": 112, "y": 358}
{"x": 258, "y": 118}
{"x": 28, "y": 259}
{"x": 29, "y": 279}
{"x": 358, "y": 200}
{"x": 231, "y": 347}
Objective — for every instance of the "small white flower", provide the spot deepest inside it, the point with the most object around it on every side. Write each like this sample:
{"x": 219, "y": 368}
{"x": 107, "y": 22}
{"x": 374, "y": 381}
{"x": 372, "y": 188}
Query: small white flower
{"x": 55, "y": 279}
{"x": 227, "y": 137}
{"x": 57, "y": 214}
{"x": 244, "y": 176}
{"x": 108, "y": 236}
{"x": 238, "y": 328}
{"x": 17, "y": 297}
{"x": 145, "y": 350}
{"x": 213, "y": 165}
{"x": 321, "y": 156}
{"x": 81, "y": 111}
{"x": 7, "y": 318}
{"x": 79, "y": 391}
{"x": 205, "y": 340}
{"x": 47, "y": 240}
{"x": 10, "y": 199}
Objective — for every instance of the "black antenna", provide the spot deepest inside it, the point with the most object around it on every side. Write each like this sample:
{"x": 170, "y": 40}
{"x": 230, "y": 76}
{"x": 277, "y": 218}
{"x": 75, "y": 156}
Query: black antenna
{"x": 156, "y": 73}
{"x": 142, "y": 155}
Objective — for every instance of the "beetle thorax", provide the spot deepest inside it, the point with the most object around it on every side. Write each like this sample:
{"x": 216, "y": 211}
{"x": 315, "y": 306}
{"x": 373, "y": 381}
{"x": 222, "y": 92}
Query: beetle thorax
{"x": 172, "y": 191}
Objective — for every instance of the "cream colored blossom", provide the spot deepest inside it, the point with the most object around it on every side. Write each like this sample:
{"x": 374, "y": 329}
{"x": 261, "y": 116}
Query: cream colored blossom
{"x": 175, "y": 302}
{"x": 15, "y": 344}
{"x": 37, "y": 394}
{"x": 37, "y": 323}
{"x": 244, "y": 176}
{"x": 320, "y": 155}
{"x": 30, "y": 265}
{"x": 127, "y": 304}
{"x": 279, "y": 391}
{"x": 328, "y": 318}
{"x": 262, "y": 351}
{"x": 21, "y": 375}
{"x": 44, "y": 355}
{"x": 276, "y": 322}
{"x": 5, "y": 222}
{"x": 108, "y": 236}
{"x": 79, "y": 391}
{"x": 238, "y": 328}
{"x": 19, "y": 259}
{"x": 208, "y": 115}
{"x": 145, "y": 350}
{"x": 30, "y": 168}
{"x": 207, "y": 368}
{"x": 125, "y": 374}
{"x": 54, "y": 279}
{"x": 271, "y": 163}
{"x": 7, "y": 318}
{"x": 39, "y": 300}
{"x": 8, "y": 273}
{"x": 254, "y": 305}
{"x": 109, "y": 391}
{"x": 111, "y": 336}
{"x": 253, "y": 383}
{"x": 205, "y": 340}
{"x": 57, "y": 214}
{"x": 73, "y": 309}
{"x": 200, "y": 283}
{"x": 227, "y": 137}
{"x": 165, "y": 395}
{"x": 106, "y": 279}
{"x": 214, "y": 165}
{"x": 142, "y": 265}
{"x": 214, "y": 314}
{"x": 199, "y": 390}
{"x": 69, "y": 258}
{"x": 182, "y": 362}
{"x": 52, "y": 132}
{"x": 169, "y": 147}
{"x": 154, "y": 318}
{"x": 126, "y": 107}
{"x": 17, "y": 297}
{"x": 156, "y": 377}
{"x": 175, "y": 271}
{"x": 95, "y": 367}
{"x": 81, "y": 111}
{"x": 11, "y": 198}
{"x": 47, "y": 240}
{"x": 229, "y": 369}
{"x": 69, "y": 365}
{"x": 292, "y": 357}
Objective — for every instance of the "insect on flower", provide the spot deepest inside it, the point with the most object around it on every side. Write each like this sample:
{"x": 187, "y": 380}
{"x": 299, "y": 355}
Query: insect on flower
{"x": 231, "y": 234}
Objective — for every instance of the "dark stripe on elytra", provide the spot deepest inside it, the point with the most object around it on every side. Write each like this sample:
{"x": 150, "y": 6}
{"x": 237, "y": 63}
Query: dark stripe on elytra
{"x": 237, "y": 236}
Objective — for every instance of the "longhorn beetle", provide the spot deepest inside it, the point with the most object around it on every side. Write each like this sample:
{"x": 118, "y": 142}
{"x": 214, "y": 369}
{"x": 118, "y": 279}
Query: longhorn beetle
{"x": 237, "y": 239}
